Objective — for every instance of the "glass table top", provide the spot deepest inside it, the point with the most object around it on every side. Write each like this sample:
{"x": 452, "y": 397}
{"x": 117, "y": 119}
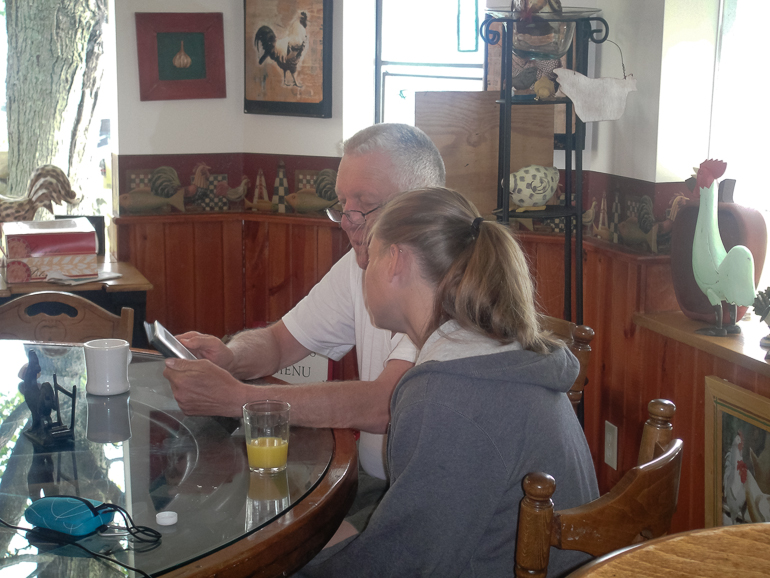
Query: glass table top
{"x": 137, "y": 450}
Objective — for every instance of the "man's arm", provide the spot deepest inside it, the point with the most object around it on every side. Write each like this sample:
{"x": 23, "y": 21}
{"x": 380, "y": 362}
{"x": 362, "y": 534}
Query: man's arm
{"x": 251, "y": 353}
{"x": 361, "y": 405}
{"x": 261, "y": 352}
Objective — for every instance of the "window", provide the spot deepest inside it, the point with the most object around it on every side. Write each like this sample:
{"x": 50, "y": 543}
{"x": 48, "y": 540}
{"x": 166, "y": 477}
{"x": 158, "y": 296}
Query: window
{"x": 425, "y": 45}
{"x": 740, "y": 121}
{"x": 93, "y": 174}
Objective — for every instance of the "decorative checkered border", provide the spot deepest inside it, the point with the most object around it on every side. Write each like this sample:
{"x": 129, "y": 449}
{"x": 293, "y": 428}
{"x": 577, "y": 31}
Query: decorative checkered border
{"x": 305, "y": 179}
{"x": 558, "y": 225}
{"x": 208, "y": 200}
{"x": 615, "y": 219}
{"x": 139, "y": 178}
{"x": 280, "y": 190}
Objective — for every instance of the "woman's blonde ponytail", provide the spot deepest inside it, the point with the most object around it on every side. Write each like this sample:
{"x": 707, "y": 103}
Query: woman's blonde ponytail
{"x": 479, "y": 270}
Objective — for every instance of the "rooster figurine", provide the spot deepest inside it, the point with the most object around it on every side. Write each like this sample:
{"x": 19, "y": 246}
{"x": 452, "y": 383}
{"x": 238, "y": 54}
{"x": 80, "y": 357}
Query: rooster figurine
{"x": 721, "y": 275}
{"x": 733, "y": 481}
{"x": 47, "y": 185}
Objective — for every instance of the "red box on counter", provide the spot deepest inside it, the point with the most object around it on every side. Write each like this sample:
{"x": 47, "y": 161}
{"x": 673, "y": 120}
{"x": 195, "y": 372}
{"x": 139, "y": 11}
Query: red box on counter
{"x": 33, "y": 249}
{"x": 23, "y": 239}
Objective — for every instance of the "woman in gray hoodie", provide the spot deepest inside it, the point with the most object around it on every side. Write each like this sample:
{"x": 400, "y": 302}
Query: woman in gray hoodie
{"x": 484, "y": 405}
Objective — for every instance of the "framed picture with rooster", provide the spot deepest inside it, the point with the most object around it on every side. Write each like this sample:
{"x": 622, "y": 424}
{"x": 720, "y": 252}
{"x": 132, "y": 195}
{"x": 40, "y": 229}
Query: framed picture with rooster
{"x": 181, "y": 55}
{"x": 737, "y": 455}
{"x": 288, "y": 57}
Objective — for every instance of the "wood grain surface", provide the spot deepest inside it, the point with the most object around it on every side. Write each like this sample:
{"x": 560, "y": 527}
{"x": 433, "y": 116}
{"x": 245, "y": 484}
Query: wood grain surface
{"x": 465, "y": 128}
{"x": 632, "y": 363}
{"x": 130, "y": 280}
{"x": 221, "y": 273}
{"x": 742, "y": 349}
{"x": 742, "y": 550}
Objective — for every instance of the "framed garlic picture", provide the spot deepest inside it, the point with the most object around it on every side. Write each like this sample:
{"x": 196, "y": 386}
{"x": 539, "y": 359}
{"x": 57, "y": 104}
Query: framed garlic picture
{"x": 181, "y": 55}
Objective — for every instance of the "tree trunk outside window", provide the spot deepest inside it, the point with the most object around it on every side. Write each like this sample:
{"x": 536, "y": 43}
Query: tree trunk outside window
{"x": 54, "y": 75}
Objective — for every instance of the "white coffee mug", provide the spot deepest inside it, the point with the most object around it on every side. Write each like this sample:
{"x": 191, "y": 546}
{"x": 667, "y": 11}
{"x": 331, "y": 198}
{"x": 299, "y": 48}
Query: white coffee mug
{"x": 107, "y": 366}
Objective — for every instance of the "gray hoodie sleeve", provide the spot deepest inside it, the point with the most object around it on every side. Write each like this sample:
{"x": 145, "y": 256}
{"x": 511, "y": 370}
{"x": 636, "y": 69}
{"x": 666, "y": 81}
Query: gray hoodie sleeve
{"x": 449, "y": 481}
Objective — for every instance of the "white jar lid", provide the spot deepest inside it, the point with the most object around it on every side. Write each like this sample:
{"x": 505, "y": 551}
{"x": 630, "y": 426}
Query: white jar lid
{"x": 166, "y": 518}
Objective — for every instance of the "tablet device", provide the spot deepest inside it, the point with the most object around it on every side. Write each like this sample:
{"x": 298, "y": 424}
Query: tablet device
{"x": 166, "y": 343}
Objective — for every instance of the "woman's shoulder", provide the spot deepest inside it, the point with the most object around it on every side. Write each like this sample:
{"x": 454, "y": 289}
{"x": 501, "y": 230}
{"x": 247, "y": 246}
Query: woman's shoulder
{"x": 497, "y": 371}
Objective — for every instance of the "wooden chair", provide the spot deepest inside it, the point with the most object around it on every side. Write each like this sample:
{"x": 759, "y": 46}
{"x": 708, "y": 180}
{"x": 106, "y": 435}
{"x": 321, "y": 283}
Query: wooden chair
{"x": 77, "y": 319}
{"x": 578, "y": 339}
{"x": 638, "y": 508}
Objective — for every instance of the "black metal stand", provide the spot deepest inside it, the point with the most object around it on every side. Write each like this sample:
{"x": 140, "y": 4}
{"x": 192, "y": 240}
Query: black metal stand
{"x": 570, "y": 212}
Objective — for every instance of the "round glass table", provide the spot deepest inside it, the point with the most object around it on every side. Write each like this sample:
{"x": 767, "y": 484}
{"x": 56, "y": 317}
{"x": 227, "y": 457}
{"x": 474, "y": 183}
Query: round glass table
{"x": 139, "y": 451}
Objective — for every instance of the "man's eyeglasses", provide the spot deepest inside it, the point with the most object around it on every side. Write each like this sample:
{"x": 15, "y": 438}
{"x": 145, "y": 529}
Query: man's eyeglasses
{"x": 355, "y": 218}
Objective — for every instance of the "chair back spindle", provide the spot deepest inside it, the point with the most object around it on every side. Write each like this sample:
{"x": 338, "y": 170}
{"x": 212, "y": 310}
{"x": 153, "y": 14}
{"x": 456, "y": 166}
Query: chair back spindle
{"x": 638, "y": 508}
{"x": 578, "y": 338}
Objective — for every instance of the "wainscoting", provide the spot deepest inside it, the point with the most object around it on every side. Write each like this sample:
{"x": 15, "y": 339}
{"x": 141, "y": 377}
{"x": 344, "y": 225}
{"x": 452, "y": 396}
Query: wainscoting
{"x": 644, "y": 349}
{"x": 220, "y": 273}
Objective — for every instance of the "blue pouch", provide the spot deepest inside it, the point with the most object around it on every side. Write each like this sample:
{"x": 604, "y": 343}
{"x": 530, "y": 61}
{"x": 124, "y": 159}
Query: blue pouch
{"x": 68, "y": 514}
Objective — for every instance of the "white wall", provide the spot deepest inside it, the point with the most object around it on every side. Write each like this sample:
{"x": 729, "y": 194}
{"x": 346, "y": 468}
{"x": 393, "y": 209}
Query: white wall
{"x": 669, "y": 47}
{"x": 215, "y": 125}
{"x": 358, "y": 66}
{"x": 687, "y": 85}
{"x": 628, "y": 146}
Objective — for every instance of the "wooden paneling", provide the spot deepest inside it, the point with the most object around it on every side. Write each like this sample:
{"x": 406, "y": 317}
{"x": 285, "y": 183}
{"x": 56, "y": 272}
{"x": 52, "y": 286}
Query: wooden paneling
{"x": 221, "y": 273}
{"x": 282, "y": 257}
{"x": 631, "y": 365}
{"x": 669, "y": 340}
{"x": 232, "y": 282}
{"x": 148, "y": 255}
{"x": 208, "y": 268}
{"x": 255, "y": 281}
{"x": 278, "y": 270}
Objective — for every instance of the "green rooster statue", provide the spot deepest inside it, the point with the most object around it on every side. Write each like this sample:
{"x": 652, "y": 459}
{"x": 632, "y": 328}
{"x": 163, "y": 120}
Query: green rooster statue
{"x": 721, "y": 275}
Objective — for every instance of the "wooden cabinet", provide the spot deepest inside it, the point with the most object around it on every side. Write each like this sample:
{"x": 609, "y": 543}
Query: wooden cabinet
{"x": 644, "y": 349}
{"x": 220, "y": 273}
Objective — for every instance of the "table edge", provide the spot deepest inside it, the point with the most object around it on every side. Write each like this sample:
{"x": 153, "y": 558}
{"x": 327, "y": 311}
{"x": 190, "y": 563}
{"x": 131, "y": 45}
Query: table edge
{"x": 264, "y": 553}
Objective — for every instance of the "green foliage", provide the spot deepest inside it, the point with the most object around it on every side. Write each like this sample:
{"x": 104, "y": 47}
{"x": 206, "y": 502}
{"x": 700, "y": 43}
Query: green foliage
{"x": 7, "y": 404}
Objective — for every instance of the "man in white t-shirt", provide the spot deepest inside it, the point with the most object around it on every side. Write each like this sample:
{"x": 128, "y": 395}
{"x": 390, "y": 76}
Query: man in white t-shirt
{"x": 377, "y": 163}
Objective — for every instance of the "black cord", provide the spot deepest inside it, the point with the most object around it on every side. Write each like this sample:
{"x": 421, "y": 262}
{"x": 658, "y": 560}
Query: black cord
{"x": 53, "y": 536}
{"x": 136, "y": 532}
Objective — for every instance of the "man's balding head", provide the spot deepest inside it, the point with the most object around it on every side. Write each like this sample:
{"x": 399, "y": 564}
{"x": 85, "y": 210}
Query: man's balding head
{"x": 415, "y": 158}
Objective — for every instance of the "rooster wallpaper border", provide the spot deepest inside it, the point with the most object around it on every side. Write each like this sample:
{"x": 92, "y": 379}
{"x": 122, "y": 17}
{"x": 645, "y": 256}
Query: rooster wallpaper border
{"x": 288, "y": 57}
{"x": 737, "y": 421}
{"x": 199, "y": 74}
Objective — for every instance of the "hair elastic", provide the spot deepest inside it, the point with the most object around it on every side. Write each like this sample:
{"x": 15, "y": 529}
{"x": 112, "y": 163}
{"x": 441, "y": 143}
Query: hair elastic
{"x": 476, "y": 225}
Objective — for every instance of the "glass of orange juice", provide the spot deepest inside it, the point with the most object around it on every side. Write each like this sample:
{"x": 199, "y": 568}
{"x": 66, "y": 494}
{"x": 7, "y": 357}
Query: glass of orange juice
{"x": 267, "y": 435}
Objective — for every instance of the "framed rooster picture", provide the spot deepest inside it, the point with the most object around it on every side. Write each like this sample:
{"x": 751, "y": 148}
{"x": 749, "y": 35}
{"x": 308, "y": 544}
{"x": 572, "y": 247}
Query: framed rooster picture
{"x": 737, "y": 455}
{"x": 288, "y": 57}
